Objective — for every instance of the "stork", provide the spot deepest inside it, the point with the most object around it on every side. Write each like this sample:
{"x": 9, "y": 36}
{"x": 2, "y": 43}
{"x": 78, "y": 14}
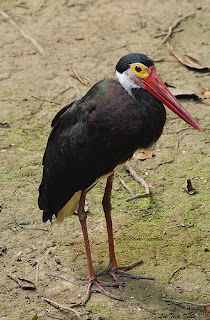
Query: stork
{"x": 93, "y": 137}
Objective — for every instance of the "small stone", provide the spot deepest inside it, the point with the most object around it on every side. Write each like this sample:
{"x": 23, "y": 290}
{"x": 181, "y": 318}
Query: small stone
{"x": 3, "y": 249}
{"x": 33, "y": 264}
{"x": 58, "y": 261}
{"x": 18, "y": 256}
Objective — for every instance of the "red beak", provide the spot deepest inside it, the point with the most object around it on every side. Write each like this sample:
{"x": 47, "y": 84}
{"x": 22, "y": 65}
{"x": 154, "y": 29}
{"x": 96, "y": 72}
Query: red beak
{"x": 157, "y": 88}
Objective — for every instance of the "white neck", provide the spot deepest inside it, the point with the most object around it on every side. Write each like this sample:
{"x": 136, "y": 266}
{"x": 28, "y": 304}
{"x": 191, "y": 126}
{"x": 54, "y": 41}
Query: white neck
{"x": 126, "y": 81}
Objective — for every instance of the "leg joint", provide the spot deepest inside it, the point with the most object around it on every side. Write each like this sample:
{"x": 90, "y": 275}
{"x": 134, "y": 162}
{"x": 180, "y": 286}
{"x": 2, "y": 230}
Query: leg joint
{"x": 82, "y": 215}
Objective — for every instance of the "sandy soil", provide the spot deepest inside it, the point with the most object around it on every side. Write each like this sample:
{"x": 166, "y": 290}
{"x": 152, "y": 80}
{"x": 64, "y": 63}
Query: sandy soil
{"x": 170, "y": 230}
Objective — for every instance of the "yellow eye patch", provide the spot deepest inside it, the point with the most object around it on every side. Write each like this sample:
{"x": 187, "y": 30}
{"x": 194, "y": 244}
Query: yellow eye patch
{"x": 140, "y": 70}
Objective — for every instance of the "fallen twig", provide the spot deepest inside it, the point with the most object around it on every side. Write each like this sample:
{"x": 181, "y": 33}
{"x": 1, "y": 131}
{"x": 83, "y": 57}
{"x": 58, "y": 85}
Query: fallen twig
{"x": 74, "y": 74}
{"x": 137, "y": 196}
{"x": 24, "y": 34}
{"x": 175, "y": 272}
{"x": 172, "y": 27}
{"x": 54, "y": 97}
{"x": 186, "y": 302}
{"x": 61, "y": 307}
{"x": 137, "y": 177}
{"x": 139, "y": 180}
{"x": 37, "y": 272}
{"x": 165, "y": 33}
{"x": 61, "y": 92}
{"x": 45, "y": 100}
{"x": 162, "y": 163}
{"x": 125, "y": 186}
{"x": 177, "y": 145}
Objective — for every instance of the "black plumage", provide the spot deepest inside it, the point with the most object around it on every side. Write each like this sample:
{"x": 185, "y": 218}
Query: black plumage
{"x": 91, "y": 136}
{"x": 127, "y": 60}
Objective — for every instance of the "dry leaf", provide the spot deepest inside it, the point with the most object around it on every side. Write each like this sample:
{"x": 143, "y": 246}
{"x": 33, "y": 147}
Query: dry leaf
{"x": 184, "y": 94}
{"x": 206, "y": 311}
{"x": 143, "y": 154}
{"x": 23, "y": 283}
{"x": 74, "y": 74}
{"x": 204, "y": 91}
{"x": 185, "y": 59}
{"x": 187, "y": 187}
{"x": 207, "y": 94}
{"x": 169, "y": 84}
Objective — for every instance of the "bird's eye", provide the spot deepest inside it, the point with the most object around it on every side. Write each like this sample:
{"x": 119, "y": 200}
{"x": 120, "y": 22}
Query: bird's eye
{"x": 138, "y": 69}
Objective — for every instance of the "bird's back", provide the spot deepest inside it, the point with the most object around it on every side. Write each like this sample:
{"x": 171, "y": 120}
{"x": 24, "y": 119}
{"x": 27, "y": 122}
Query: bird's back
{"x": 92, "y": 136}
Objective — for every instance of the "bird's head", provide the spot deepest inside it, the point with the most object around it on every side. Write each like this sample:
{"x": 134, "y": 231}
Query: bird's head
{"x": 136, "y": 70}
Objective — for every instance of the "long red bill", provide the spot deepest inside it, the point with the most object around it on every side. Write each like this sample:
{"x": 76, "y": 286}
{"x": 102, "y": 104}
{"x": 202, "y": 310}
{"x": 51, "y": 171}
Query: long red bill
{"x": 157, "y": 88}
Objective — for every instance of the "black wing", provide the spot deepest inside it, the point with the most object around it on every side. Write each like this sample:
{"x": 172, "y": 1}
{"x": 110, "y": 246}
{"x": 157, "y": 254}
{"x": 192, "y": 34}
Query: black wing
{"x": 60, "y": 112}
{"x": 89, "y": 139}
{"x": 64, "y": 160}
{"x": 69, "y": 158}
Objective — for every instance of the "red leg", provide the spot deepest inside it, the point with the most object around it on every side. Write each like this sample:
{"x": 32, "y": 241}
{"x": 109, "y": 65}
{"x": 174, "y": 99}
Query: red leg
{"x": 113, "y": 269}
{"x": 107, "y": 210}
{"x": 94, "y": 285}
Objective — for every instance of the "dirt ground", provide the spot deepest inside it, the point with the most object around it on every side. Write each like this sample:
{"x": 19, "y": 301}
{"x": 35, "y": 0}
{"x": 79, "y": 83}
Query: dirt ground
{"x": 169, "y": 230}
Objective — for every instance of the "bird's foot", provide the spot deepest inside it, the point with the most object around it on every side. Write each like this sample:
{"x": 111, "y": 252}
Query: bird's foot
{"x": 97, "y": 286}
{"x": 117, "y": 272}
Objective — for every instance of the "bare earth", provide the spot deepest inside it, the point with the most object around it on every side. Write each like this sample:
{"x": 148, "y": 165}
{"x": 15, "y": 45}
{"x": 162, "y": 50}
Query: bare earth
{"x": 170, "y": 230}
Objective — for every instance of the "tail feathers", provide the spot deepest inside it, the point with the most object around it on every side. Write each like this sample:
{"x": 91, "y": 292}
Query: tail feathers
{"x": 41, "y": 203}
{"x": 40, "y": 198}
{"x": 67, "y": 210}
{"x": 46, "y": 216}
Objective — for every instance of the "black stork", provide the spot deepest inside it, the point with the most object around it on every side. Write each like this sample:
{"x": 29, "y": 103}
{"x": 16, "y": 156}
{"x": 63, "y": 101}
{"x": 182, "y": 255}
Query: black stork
{"x": 92, "y": 137}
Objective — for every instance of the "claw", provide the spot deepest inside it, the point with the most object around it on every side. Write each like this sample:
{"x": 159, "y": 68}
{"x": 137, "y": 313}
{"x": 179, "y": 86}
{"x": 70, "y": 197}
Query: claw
{"x": 122, "y": 273}
{"x": 96, "y": 286}
{"x": 108, "y": 284}
{"x": 131, "y": 265}
{"x": 117, "y": 272}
